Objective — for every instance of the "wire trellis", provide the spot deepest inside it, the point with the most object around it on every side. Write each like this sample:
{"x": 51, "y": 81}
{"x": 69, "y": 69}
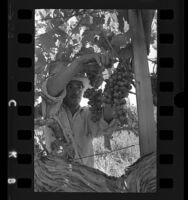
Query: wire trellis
{"x": 98, "y": 154}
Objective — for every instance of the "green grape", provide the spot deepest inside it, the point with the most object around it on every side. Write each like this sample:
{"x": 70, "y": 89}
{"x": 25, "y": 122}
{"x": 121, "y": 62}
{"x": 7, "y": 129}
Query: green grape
{"x": 95, "y": 103}
{"x": 116, "y": 89}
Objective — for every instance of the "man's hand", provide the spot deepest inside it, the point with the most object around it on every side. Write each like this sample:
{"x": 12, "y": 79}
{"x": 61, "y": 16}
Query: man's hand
{"x": 108, "y": 113}
{"x": 58, "y": 82}
{"x": 89, "y": 62}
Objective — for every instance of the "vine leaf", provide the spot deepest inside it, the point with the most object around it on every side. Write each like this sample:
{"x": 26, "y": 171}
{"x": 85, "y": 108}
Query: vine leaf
{"x": 64, "y": 53}
{"x": 126, "y": 53}
{"x": 38, "y": 111}
{"x": 102, "y": 43}
{"x": 89, "y": 36}
{"x": 154, "y": 33}
{"x": 62, "y": 36}
{"x": 153, "y": 37}
{"x": 60, "y": 32}
{"x": 85, "y": 21}
{"x": 67, "y": 12}
{"x": 41, "y": 61}
{"x": 42, "y": 13}
{"x": 122, "y": 15}
{"x": 121, "y": 40}
{"x": 85, "y": 50}
{"x": 98, "y": 21}
{"x": 47, "y": 41}
{"x": 56, "y": 22}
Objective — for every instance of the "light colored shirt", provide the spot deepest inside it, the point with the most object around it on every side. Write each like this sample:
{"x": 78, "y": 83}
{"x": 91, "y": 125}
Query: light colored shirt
{"x": 80, "y": 126}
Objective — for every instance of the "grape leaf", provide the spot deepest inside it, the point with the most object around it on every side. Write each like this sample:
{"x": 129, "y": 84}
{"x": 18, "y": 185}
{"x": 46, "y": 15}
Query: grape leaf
{"x": 47, "y": 41}
{"x": 56, "y": 22}
{"x": 62, "y": 35}
{"x": 122, "y": 14}
{"x": 64, "y": 53}
{"x": 76, "y": 29}
{"x": 41, "y": 61}
{"x": 85, "y": 21}
{"x": 153, "y": 37}
{"x": 126, "y": 53}
{"x": 67, "y": 12}
{"x": 97, "y": 22}
{"x": 58, "y": 13}
{"x": 85, "y": 50}
{"x": 38, "y": 111}
{"x": 108, "y": 21}
{"x": 42, "y": 13}
{"x": 102, "y": 43}
{"x": 121, "y": 39}
{"x": 89, "y": 36}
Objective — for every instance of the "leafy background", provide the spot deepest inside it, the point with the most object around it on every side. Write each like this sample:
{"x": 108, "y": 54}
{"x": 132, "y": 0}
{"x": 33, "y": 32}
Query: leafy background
{"x": 64, "y": 34}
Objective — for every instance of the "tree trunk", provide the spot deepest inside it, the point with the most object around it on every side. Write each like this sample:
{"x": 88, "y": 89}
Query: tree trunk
{"x": 147, "y": 129}
{"x": 53, "y": 174}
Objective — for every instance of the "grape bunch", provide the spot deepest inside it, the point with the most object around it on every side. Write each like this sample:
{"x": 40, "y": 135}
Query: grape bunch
{"x": 95, "y": 72}
{"x": 95, "y": 79}
{"x": 95, "y": 103}
{"x": 117, "y": 89}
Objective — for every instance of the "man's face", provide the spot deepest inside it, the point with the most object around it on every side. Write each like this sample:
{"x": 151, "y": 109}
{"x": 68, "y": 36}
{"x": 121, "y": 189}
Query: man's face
{"x": 74, "y": 92}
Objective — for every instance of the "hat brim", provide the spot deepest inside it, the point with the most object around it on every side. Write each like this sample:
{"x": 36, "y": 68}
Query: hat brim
{"x": 84, "y": 80}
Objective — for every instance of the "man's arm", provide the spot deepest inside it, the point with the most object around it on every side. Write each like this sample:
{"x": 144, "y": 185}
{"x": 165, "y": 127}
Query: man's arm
{"x": 58, "y": 82}
{"x": 105, "y": 126}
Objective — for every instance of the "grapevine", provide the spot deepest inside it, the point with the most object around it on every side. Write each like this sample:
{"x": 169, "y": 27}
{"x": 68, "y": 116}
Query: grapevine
{"x": 116, "y": 89}
{"x": 95, "y": 103}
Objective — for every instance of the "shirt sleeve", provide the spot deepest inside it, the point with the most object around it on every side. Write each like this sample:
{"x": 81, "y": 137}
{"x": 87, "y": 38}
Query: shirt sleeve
{"x": 101, "y": 127}
{"x": 52, "y": 103}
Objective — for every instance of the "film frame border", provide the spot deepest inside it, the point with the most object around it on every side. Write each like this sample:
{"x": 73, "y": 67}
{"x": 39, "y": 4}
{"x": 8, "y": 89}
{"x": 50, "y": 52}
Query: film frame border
{"x": 24, "y": 87}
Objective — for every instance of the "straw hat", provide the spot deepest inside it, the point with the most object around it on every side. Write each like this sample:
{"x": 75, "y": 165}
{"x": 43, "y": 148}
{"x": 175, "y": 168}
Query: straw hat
{"x": 57, "y": 65}
{"x": 83, "y": 78}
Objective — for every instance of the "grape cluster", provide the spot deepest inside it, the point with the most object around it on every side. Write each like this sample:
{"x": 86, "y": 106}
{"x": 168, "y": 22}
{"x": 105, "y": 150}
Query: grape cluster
{"x": 95, "y": 79}
{"x": 95, "y": 103}
{"x": 116, "y": 90}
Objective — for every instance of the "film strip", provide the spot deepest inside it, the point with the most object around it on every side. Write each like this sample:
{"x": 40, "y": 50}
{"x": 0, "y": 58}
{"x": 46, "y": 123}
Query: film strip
{"x": 21, "y": 105}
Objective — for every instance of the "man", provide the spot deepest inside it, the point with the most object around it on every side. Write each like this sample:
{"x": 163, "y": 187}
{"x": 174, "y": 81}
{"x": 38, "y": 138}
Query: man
{"x": 64, "y": 90}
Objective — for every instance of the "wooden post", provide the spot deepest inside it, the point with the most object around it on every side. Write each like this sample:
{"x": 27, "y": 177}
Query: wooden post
{"x": 147, "y": 129}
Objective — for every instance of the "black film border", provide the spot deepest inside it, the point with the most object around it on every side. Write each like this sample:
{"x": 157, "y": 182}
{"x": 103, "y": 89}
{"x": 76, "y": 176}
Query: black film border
{"x": 21, "y": 106}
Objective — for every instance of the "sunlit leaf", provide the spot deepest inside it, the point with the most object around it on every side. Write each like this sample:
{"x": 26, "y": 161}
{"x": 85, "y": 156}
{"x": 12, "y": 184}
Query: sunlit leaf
{"x": 56, "y": 22}
{"x": 61, "y": 32}
{"x": 40, "y": 61}
{"x": 98, "y": 20}
{"x": 38, "y": 111}
{"x": 47, "y": 41}
{"x": 122, "y": 15}
{"x": 102, "y": 42}
{"x": 42, "y": 13}
{"x": 85, "y": 50}
{"x": 85, "y": 20}
{"x": 88, "y": 36}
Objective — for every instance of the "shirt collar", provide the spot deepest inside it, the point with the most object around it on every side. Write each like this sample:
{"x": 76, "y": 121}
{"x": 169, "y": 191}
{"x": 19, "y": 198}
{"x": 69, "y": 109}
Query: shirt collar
{"x": 80, "y": 109}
